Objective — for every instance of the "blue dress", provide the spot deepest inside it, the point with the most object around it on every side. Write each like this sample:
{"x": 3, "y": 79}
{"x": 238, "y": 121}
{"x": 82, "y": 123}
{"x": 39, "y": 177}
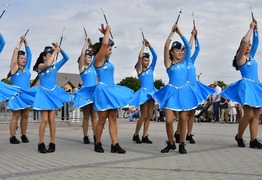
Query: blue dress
{"x": 107, "y": 95}
{"x": 6, "y": 91}
{"x": 83, "y": 96}
{"x": 178, "y": 94}
{"x": 147, "y": 89}
{"x": 21, "y": 80}
{"x": 2, "y": 43}
{"x": 49, "y": 96}
{"x": 203, "y": 90}
{"x": 248, "y": 90}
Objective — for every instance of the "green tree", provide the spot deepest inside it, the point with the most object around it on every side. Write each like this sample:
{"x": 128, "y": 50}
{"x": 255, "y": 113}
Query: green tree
{"x": 159, "y": 83}
{"x": 131, "y": 82}
{"x": 221, "y": 83}
{"x": 134, "y": 83}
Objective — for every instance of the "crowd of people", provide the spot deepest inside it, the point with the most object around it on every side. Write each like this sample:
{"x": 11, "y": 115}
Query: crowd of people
{"x": 99, "y": 96}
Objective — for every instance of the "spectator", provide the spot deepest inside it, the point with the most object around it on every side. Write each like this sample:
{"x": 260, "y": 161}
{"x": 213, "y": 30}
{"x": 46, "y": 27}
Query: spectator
{"x": 232, "y": 111}
{"x": 223, "y": 109}
{"x": 216, "y": 100}
{"x": 134, "y": 113}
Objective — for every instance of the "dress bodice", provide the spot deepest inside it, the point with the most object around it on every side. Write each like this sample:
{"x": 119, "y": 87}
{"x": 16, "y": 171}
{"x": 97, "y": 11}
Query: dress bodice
{"x": 48, "y": 76}
{"x": 88, "y": 76}
{"x": 21, "y": 77}
{"x": 105, "y": 74}
{"x": 191, "y": 72}
{"x": 249, "y": 70}
{"x": 177, "y": 74}
{"x": 146, "y": 78}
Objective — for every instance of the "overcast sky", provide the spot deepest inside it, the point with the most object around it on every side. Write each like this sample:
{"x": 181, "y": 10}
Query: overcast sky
{"x": 220, "y": 24}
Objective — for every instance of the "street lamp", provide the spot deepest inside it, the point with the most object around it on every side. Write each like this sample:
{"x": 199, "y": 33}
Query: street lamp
{"x": 198, "y": 76}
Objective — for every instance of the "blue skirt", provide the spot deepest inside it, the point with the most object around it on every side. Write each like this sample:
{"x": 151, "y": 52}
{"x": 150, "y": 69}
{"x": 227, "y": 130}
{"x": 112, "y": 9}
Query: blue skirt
{"x": 204, "y": 90}
{"x": 244, "y": 92}
{"x": 23, "y": 100}
{"x": 106, "y": 97}
{"x": 7, "y": 91}
{"x": 53, "y": 99}
{"x": 83, "y": 96}
{"x": 183, "y": 98}
{"x": 141, "y": 96}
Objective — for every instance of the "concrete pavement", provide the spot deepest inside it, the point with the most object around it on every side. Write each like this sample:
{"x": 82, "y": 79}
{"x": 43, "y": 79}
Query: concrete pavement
{"x": 214, "y": 156}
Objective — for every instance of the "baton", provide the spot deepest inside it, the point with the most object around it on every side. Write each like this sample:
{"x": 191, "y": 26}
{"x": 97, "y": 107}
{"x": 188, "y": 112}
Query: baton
{"x": 4, "y": 11}
{"x": 178, "y": 16}
{"x": 107, "y": 23}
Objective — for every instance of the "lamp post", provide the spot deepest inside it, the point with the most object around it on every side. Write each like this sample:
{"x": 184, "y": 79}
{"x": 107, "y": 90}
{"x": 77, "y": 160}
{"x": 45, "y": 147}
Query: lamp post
{"x": 198, "y": 76}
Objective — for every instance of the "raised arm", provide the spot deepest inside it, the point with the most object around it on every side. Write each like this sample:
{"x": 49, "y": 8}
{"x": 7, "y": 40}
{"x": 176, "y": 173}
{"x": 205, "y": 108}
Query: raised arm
{"x": 192, "y": 38}
{"x": 154, "y": 56}
{"x": 83, "y": 54}
{"x": 138, "y": 65}
{"x": 240, "y": 58}
{"x": 186, "y": 43}
{"x": 101, "y": 55}
{"x": 2, "y": 42}
{"x": 197, "y": 48}
{"x": 28, "y": 54}
{"x": 62, "y": 61}
{"x": 51, "y": 59}
{"x": 13, "y": 65}
{"x": 167, "y": 60}
{"x": 255, "y": 42}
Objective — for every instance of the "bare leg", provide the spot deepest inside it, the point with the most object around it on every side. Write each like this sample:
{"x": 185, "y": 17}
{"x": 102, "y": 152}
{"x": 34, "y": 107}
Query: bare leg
{"x": 93, "y": 119}
{"x": 14, "y": 122}
{"x": 254, "y": 124}
{"x": 24, "y": 120}
{"x": 52, "y": 125}
{"x": 169, "y": 125}
{"x": 190, "y": 121}
{"x": 245, "y": 120}
{"x": 151, "y": 104}
{"x": 44, "y": 120}
{"x": 143, "y": 117}
{"x": 178, "y": 127}
{"x": 86, "y": 110}
{"x": 182, "y": 119}
{"x": 113, "y": 126}
{"x": 102, "y": 115}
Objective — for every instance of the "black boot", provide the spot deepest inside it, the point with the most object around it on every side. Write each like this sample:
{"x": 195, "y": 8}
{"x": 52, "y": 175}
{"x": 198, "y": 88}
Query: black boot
{"x": 190, "y": 139}
{"x": 177, "y": 137}
{"x": 136, "y": 139}
{"x": 24, "y": 139}
{"x": 99, "y": 148}
{"x": 86, "y": 140}
{"x": 168, "y": 147}
{"x": 42, "y": 148}
{"x": 255, "y": 144}
{"x": 51, "y": 148}
{"x": 146, "y": 140}
{"x": 116, "y": 148}
{"x": 182, "y": 149}
{"x": 240, "y": 142}
{"x": 13, "y": 140}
